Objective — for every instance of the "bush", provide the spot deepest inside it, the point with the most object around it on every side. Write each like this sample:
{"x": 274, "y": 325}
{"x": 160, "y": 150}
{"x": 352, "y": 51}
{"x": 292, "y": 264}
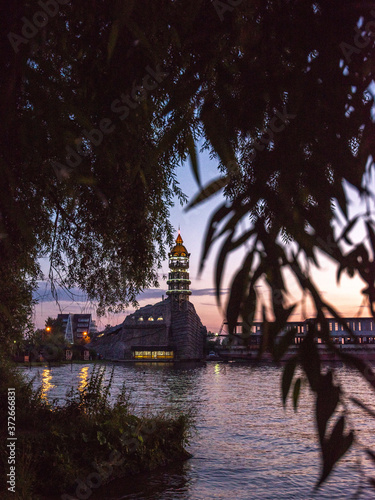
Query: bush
{"x": 60, "y": 446}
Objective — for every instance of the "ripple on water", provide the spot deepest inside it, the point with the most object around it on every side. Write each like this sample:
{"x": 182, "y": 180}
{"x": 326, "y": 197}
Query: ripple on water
{"x": 246, "y": 446}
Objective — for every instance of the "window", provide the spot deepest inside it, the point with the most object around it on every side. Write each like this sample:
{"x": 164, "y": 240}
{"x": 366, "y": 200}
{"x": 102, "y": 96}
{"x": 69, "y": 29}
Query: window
{"x": 336, "y": 326}
{"x": 150, "y": 318}
{"x": 359, "y": 326}
{"x": 330, "y": 326}
{"x": 140, "y": 318}
{"x": 142, "y": 354}
{"x": 160, "y": 318}
{"x": 153, "y": 354}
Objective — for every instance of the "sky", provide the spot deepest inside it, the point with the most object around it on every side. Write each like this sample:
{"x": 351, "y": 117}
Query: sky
{"x": 347, "y": 297}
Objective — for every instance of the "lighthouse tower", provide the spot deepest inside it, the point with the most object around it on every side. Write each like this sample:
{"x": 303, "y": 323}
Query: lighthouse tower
{"x": 178, "y": 277}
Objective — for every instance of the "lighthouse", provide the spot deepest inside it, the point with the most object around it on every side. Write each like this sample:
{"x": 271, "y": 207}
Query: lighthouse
{"x": 178, "y": 276}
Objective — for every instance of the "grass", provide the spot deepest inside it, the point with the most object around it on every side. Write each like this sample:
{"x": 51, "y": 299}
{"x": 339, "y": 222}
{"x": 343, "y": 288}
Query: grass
{"x": 62, "y": 448}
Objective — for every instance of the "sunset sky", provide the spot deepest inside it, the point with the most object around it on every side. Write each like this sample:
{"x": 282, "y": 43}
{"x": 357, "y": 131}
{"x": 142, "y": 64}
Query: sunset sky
{"x": 346, "y": 298}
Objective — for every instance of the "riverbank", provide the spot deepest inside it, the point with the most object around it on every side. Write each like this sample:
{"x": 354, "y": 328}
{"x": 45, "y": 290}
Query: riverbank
{"x": 60, "y": 363}
{"x": 85, "y": 443}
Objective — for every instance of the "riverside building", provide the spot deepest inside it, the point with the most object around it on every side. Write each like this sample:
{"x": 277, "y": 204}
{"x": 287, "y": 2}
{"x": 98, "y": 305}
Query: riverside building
{"x": 169, "y": 330}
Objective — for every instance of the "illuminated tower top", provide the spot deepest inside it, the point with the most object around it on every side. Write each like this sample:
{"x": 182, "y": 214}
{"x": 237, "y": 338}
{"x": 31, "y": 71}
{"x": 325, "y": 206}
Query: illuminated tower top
{"x": 178, "y": 277}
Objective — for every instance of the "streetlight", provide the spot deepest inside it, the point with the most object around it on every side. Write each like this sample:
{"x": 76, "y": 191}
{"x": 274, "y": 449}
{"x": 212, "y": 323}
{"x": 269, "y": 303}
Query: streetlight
{"x": 48, "y": 330}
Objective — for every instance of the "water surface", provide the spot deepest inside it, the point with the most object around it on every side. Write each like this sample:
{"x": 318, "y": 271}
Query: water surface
{"x": 246, "y": 445}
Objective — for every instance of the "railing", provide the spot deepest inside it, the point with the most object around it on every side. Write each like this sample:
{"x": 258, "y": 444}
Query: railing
{"x": 179, "y": 265}
{"x": 178, "y": 276}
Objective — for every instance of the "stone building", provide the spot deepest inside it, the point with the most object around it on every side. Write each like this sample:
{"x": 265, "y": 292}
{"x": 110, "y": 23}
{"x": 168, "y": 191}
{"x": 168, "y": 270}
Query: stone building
{"x": 168, "y": 330}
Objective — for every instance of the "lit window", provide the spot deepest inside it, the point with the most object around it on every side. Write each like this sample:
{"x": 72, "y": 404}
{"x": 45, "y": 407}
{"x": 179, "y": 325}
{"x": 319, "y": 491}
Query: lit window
{"x": 140, "y": 318}
{"x": 359, "y": 326}
{"x": 153, "y": 354}
{"x": 160, "y": 318}
{"x": 150, "y": 318}
{"x": 330, "y": 327}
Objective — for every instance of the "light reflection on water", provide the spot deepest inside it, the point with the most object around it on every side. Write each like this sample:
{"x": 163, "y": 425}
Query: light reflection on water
{"x": 46, "y": 384}
{"x": 246, "y": 446}
{"x": 84, "y": 378}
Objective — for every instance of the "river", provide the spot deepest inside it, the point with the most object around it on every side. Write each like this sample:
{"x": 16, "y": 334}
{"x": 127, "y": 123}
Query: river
{"x": 246, "y": 446}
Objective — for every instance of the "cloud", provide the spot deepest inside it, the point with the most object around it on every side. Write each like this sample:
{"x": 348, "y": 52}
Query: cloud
{"x": 209, "y": 291}
{"x": 75, "y": 294}
{"x": 152, "y": 293}
{"x": 44, "y": 294}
